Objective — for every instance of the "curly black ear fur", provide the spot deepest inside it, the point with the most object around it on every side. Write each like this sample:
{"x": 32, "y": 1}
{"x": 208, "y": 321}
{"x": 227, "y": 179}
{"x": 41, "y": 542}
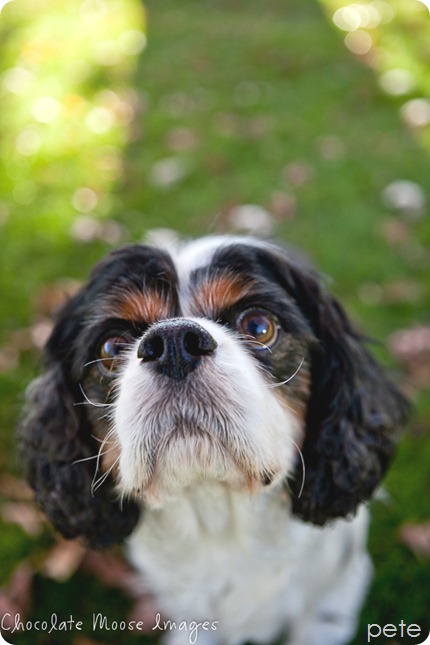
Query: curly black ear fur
{"x": 354, "y": 415}
{"x": 54, "y": 436}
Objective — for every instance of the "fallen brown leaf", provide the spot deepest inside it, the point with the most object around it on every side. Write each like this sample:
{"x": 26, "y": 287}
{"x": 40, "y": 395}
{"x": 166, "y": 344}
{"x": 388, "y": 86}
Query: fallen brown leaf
{"x": 14, "y": 488}
{"x": 8, "y": 611}
{"x": 402, "y": 291}
{"x": 410, "y": 344}
{"x": 412, "y": 348}
{"x": 9, "y": 357}
{"x": 25, "y": 514}
{"x": 298, "y": 173}
{"x": 283, "y": 205}
{"x": 64, "y": 559}
{"x": 144, "y": 611}
{"x": 15, "y": 599}
{"x": 51, "y": 296}
{"x": 111, "y": 569}
{"x": 417, "y": 538}
{"x": 395, "y": 232}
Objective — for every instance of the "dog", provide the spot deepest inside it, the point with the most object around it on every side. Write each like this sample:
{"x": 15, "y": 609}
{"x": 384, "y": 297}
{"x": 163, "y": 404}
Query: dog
{"x": 211, "y": 405}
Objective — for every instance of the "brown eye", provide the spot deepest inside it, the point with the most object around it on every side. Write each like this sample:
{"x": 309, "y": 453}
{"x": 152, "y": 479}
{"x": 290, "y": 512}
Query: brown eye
{"x": 108, "y": 354}
{"x": 259, "y": 325}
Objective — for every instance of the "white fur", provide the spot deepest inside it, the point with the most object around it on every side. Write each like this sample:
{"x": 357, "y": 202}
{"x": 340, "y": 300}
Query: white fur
{"x": 217, "y": 555}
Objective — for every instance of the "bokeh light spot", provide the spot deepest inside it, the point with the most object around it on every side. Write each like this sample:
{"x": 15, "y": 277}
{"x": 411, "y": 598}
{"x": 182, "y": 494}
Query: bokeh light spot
{"x": 397, "y": 82}
{"x": 17, "y": 80}
{"x": 28, "y": 142}
{"x": 46, "y": 109}
{"x": 132, "y": 42}
{"x": 85, "y": 200}
{"x": 359, "y": 42}
{"x": 99, "y": 120}
{"x": 416, "y": 113}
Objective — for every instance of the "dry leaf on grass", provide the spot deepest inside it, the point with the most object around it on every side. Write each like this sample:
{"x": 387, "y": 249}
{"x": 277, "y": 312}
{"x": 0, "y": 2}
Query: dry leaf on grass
{"x": 25, "y": 515}
{"x": 412, "y": 348}
{"x": 15, "y": 598}
{"x": 111, "y": 569}
{"x": 15, "y": 489}
{"x": 64, "y": 560}
{"x": 144, "y": 611}
{"x": 417, "y": 538}
{"x": 114, "y": 571}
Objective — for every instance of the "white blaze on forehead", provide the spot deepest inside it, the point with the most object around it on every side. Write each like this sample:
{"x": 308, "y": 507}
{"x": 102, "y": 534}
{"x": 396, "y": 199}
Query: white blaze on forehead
{"x": 197, "y": 254}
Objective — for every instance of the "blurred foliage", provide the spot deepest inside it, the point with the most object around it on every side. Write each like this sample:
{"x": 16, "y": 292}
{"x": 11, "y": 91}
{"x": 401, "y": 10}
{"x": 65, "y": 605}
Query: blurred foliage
{"x": 317, "y": 113}
{"x": 66, "y": 86}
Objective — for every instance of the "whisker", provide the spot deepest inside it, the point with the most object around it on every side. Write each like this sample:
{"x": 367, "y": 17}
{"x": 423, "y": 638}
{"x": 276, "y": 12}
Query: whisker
{"x": 102, "y": 441}
{"x": 96, "y": 483}
{"x": 252, "y": 340}
{"x": 273, "y": 385}
{"x": 89, "y": 402}
{"x": 97, "y": 456}
{"x": 97, "y": 360}
{"x": 122, "y": 499}
{"x": 303, "y": 468}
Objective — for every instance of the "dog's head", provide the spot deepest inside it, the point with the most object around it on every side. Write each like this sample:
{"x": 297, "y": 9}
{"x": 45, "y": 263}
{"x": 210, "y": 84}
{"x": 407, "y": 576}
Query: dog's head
{"x": 222, "y": 360}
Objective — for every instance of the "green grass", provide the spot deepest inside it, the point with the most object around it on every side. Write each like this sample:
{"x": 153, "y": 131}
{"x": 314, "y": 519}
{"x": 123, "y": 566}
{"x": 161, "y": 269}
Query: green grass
{"x": 257, "y": 88}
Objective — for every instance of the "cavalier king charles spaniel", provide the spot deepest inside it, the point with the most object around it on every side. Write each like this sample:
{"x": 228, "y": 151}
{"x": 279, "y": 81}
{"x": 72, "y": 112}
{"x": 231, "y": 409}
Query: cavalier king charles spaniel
{"x": 212, "y": 405}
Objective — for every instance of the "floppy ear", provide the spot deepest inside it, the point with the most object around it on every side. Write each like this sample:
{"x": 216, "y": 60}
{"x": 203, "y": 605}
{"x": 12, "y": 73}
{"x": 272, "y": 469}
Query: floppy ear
{"x": 354, "y": 413}
{"x": 54, "y": 436}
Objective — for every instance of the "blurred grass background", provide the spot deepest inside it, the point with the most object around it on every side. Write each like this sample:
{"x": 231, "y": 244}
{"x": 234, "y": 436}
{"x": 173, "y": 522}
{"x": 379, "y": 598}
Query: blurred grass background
{"x": 117, "y": 118}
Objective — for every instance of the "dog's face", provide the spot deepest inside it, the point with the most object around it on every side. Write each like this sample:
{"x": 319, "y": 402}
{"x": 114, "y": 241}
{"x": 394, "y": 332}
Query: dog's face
{"x": 191, "y": 350}
{"x": 221, "y": 360}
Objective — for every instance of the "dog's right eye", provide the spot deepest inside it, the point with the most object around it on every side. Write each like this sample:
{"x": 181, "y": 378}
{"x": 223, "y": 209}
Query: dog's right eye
{"x": 260, "y": 325}
{"x": 109, "y": 354}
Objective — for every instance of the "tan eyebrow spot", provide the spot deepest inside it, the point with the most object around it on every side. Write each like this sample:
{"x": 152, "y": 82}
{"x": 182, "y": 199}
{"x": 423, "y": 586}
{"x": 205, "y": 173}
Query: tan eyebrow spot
{"x": 219, "y": 292}
{"x": 147, "y": 306}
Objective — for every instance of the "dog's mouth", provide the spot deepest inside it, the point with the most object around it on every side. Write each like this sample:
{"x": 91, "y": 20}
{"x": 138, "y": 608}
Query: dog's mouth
{"x": 189, "y": 441}
{"x": 181, "y": 447}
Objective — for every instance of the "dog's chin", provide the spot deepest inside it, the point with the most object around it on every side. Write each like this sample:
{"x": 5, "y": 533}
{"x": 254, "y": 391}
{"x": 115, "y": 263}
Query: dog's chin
{"x": 187, "y": 456}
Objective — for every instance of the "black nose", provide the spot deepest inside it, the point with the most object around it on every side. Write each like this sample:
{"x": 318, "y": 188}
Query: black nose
{"x": 176, "y": 347}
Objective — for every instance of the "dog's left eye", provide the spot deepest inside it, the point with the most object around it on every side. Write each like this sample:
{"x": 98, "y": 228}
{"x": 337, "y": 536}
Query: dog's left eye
{"x": 259, "y": 325}
{"x": 108, "y": 354}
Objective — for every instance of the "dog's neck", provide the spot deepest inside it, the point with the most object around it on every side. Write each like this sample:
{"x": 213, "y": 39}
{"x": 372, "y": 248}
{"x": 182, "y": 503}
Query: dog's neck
{"x": 218, "y": 554}
{"x": 211, "y": 514}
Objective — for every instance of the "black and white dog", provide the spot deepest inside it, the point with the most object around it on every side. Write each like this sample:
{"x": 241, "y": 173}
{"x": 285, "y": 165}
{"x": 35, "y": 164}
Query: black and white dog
{"x": 213, "y": 404}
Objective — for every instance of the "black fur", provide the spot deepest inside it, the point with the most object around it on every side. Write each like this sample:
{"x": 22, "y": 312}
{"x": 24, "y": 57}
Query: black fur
{"x": 354, "y": 414}
{"x": 56, "y": 433}
{"x": 54, "y": 437}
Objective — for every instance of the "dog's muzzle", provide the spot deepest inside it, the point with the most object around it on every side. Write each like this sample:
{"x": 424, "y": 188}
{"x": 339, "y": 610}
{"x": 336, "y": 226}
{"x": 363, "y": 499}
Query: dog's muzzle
{"x": 176, "y": 347}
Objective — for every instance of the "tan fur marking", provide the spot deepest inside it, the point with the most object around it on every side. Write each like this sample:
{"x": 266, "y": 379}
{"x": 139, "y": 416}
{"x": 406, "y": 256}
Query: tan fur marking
{"x": 139, "y": 306}
{"x": 220, "y": 292}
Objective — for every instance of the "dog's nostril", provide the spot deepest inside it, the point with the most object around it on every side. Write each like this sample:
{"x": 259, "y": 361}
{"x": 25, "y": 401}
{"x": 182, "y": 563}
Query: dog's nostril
{"x": 198, "y": 344}
{"x": 192, "y": 344}
{"x": 152, "y": 350}
{"x": 176, "y": 347}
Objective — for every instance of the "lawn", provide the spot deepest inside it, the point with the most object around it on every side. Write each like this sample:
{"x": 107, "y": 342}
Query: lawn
{"x": 118, "y": 118}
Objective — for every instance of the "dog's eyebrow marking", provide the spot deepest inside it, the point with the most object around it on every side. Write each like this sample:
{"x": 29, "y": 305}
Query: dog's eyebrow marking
{"x": 212, "y": 294}
{"x": 130, "y": 303}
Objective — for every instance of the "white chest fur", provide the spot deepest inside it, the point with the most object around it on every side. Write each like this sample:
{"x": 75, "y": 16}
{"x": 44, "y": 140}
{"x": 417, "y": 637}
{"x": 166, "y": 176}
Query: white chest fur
{"x": 243, "y": 563}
